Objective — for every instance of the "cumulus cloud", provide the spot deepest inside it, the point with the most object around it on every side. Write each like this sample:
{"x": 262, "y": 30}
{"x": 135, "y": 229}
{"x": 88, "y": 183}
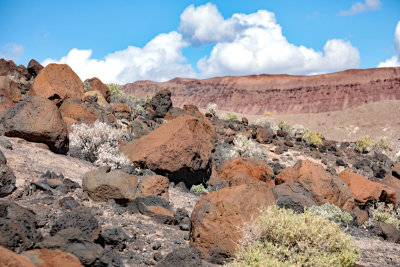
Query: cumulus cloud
{"x": 360, "y": 7}
{"x": 256, "y": 45}
{"x": 160, "y": 59}
{"x": 395, "y": 60}
{"x": 11, "y": 51}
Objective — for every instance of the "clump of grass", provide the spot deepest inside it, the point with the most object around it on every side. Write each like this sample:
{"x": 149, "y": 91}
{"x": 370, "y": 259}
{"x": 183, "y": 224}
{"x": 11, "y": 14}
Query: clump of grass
{"x": 232, "y": 117}
{"x": 198, "y": 189}
{"x": 212, "y": 108}
{"x": 312, "y": 138}
{"x": 332, "y": 212}
{"x": 384, "y": 213}
{"x": 283, "y": 238}
{"x": 284, "y": 126}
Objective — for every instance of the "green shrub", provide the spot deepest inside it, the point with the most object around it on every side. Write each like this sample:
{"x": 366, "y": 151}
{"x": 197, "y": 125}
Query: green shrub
{"x": 243, "y": 147}
{"x": 384, "y": 213}
{"x": 312, "y": 138}
{"x": 198, "y": 189}
{"x": 366, "y": 144}
{"x": 232, "y": 117}
{"x": 330, "y": 211}
{"x": 263, "y": 122}
{"x": 115, "y": 89}
{"x": 284, "y": 238}
{"x": 284, "y": 126}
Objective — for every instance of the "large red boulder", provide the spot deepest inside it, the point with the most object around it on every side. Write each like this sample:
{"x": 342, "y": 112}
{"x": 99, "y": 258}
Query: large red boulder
{"x": 9, "y": 258}
{"x": 218, "y": 218}
{"x": 36, "y": 119}
{"x": 97, "y": 85}
{"x": 180, "y": 150}
{"x": 50, "y": 258}
{"x": 245, "y": 170}
{"x": 57, "y": 82}
{"x": 322, "y": 185}
{"x": 365, "y": 190}
{"x": 5, "y": 100}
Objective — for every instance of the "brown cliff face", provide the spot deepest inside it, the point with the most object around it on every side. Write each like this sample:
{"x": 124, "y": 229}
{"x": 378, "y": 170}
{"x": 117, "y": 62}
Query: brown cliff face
{"x": 281, "y": 94}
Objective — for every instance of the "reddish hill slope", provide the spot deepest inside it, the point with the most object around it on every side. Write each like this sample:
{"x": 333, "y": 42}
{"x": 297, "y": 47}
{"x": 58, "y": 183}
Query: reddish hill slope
{"x": 281, "y": 94}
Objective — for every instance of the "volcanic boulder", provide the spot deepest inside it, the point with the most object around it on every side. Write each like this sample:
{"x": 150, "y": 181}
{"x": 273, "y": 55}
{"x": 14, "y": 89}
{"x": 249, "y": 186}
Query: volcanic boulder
{"x": 322, "y": 185}
{"x": 293, "y": 196}
{"x": 57, "y": 82}
{"x": 235, "y": 171}
{"x": 47, "y": 258}
{"x": 34, "y": 67}
{"x": 5, "y": 100}
{"x": 36, "y": 119}
{"x": 103, "y": 186}
{"x": 12, "y": 259}
{"x": 218, "y": 218}
{"x": 161, "y": 103}
{"x": 7, "y": 180}
{"x": 154, "y": 185}
{"x": 96, "y": 84}
{"x": 365, "y": 190}
{"x": 17, "y": 227}
{"x": 180, "y": 150}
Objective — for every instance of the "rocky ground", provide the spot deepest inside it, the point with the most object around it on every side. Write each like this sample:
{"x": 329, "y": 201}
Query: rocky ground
{"x": 59, "y": 207}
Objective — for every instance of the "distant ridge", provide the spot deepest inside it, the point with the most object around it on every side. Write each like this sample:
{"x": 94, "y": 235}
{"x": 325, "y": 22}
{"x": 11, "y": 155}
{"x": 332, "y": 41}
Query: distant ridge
{"x": 281, "y": 94}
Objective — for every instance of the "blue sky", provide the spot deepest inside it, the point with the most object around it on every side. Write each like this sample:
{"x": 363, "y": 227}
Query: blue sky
{"x": 124, "y": 41}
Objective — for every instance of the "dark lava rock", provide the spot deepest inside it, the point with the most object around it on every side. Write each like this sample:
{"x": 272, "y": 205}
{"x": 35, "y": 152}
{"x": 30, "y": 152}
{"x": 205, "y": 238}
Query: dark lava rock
{"x": 340, "y": 162}
{"x": 114, "y": 237}
{"x": 80, "y": 219}
{"x": 153, "y": 206}
{"x": 68, "y": 203}
{"x": 17, "y": 227}
{"x": 265, "y": 136}
{"x": 183, "y": 257}
{"x": 34, "y": 67}
{"x": 279, "y": 150}
{"x": 161, "y": 103}
{"x": 7, "y": 179}
{"x": 281, "y": 133}
{"x": 316, "y": 155}
{"x": 3, "y": 159}
{"x": 72, "y": 240}
{"x": 387, "y": 231}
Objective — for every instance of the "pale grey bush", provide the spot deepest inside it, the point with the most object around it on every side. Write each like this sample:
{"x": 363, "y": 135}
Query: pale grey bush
{"x": 98, "y": 143}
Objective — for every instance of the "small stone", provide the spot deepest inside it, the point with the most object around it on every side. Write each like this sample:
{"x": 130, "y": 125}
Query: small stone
{"x": 157, "y": 256}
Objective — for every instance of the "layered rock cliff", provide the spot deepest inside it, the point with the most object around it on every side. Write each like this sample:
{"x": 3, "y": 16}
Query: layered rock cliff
{"x": 281, "y": 94}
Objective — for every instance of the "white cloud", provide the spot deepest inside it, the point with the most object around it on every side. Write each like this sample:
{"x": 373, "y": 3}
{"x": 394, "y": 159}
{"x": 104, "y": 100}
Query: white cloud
{"x": 360, "y": 7}
{"x": 395, "y": 60}
{"x": 11, "y": 51}
{"x": 160, "y": 59}
{"x": 258, "y": 46}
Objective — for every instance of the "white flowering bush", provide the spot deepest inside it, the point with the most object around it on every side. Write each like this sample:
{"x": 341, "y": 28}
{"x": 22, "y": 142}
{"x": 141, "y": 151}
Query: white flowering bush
{"x": 330, "y": 211}
{"x": 243, "y": 147}
{"x": 212, "y": 108}
{"x": 384, "y": 213}
{"x": 263, "y": 122}
{"x": 98, "y": 143}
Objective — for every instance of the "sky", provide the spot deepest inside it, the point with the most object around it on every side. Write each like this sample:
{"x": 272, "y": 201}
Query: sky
{"x": 123, "y": 41}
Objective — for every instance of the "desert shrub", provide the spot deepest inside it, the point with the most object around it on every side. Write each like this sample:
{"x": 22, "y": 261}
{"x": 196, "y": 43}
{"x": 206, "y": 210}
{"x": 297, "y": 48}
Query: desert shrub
{"x": 115, "y": 89}
{"x": 283, "y": 238}
{"x": 148, "y": 98}
{"x": 212, "y": 108}
{"x": 333, "y": 212}
{"x": 98, "y": 143}
{"x": 198, "y": 189}
{"x": 284, "y": 126}
{"x": 312, "y": 138}
{"x": 244, "y": 147}
{"x": 384, "y": 213}
{"x": 267, "y": 114}
{"x": 232, "y": 117}
{"x": 365, "y": 144}
{"x": 263, "y": 122}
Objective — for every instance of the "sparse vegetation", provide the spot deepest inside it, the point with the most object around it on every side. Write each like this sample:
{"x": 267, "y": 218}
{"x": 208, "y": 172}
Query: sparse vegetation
{"x": 330, "y": 211}
{"x": 198, "y": 189}
{"x": 366, "y": 144}
{"x": 212, "y": 109}
{"x": 284, "y": 126}
{"x": 263, "y": 122}
{"x": 98, "y": 143}
{"x": 232, "y": 117}
{"x": 384, "y": 213}
{"x": 312, "y": 138}
{"x": 283, "y": 238}
{"x": 115, "y": 89}
{"x": 243, "y": 147}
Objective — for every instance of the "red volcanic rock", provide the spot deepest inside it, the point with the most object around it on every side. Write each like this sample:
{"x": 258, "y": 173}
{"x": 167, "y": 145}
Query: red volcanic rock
{"x": 243, "y": 170}
{"x": 9, "y": 258}
{"x": 283, "y": 94}
{"x": 49, "y": 258}
{"x": 96, "y": 84}
{"x": 365, "y": 190}
{"x": 34, "y": 67}
{"x": 322, "y": 185}
{"x": 5, "y": 100}
{"x": 57, "y": 82}
{"x": 218, "y": 218}
{"x": 10, "y": 68}
{"x": 180, "y": 149}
